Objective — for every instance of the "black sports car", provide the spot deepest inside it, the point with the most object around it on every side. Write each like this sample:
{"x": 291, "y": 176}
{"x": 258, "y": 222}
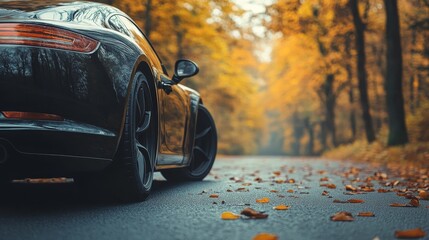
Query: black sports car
{"x": 83, "y": 94}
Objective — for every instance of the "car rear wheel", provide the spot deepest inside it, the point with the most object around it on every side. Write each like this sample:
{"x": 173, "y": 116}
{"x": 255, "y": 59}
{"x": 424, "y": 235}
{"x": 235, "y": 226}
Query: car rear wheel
{"x": 130, "y": 176}
{"x": 204, "y": 150}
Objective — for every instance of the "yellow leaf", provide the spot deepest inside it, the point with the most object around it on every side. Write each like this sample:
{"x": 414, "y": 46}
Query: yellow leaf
{"x": 263, "y": 200}
{"x": 366, "y": 214}
{"x": 281, "y": 207}
{"x": 229, "y": 216}
{"x": 265, "y": 236}
{"x": 410, "y": 233}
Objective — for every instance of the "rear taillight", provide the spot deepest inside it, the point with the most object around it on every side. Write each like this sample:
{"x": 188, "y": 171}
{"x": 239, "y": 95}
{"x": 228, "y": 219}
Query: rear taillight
{"x": 45, "y": 36}
{"x": 32, "y": 116}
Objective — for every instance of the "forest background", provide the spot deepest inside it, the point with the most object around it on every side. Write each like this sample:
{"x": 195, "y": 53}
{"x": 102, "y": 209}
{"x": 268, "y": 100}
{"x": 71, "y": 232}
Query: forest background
{"x": 344, "y": 78}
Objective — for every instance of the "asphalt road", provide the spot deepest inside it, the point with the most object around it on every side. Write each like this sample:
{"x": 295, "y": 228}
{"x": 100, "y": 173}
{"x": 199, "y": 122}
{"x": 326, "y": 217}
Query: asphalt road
{"x": 185, "y": 210}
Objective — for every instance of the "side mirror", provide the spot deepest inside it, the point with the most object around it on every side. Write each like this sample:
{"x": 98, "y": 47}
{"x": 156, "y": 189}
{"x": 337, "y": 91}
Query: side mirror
{"x": 184, "y": 69}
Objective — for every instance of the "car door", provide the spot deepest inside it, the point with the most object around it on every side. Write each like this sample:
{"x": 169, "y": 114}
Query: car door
{"x": 174, "y": 105}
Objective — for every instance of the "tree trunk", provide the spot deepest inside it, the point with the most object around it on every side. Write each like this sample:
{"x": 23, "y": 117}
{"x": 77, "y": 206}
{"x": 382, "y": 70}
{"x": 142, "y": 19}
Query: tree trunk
{"x": 148, "y": 18}
{"x": 330, "y": 104}
{"x": 394, "y": 96}
{"x": 361, "y": 72}
{"x": 323, "y": 135}
{"x": 298, "y": 132}
{"x": 412, "y": 74}
{"x": 348, "y": 67}
{"x": 419, "y": 89}
{"x": 310, "y": 129}
{"x": 179, "y": 37}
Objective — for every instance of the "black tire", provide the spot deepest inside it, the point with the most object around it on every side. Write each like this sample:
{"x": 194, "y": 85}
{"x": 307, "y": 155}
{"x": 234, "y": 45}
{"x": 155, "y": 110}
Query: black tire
{"x": 130, "y": 177}
{"x": 204, "y": 151}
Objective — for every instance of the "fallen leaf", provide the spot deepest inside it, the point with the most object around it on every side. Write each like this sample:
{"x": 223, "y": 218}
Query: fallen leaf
{"x": 410, "y": 233}
{"x": 252, "y": 213}
{"x": 424, "y": 195}
{"x": 324, "y": 179}
{"x": 281, "y": 207}
{"x": 398, "y": 205}
{"x": 414, "y": 202}
{"x": 355, "y": 201}
{"x": 277, "y": 173}
{"x": 229, "y": 216}
{"x": 339, "y": 201}
{"x": 291, "y": 180}
{"x": 329, "y": 185}
{"x": 242, "y": 189}
{"x": 274, "y": 191}
{"x": 265, "y": 236}
{"x": 258, "y": 179}
{"x": 350, "y": 188}
{"x": 263, "y": 200}
{"x": 343, "y": 217}
{"x": 279, "y": 181}
{"x": 214, "y": 196}
{"x": 382, "y": 190}
{"x": 325, "y": 193}
{"x": 246, "y": 184}
{"x": 290, "y": 191}
{"x": 229, "y": 190}
{"x": 366, "y": 214}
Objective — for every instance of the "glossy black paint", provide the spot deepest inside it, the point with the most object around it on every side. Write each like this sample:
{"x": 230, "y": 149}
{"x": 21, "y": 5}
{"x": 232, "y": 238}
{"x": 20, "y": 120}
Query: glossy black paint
{"x": 90, "y": 90}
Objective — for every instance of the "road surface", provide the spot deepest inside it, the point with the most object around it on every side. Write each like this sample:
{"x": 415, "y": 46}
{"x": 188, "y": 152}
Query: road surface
{"x": 185, "y": 210}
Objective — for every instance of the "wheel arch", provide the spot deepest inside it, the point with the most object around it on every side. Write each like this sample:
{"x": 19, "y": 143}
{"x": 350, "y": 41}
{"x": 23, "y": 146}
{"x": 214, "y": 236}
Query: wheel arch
{"x": 195, "y": 101}
{"x": 142, "y": 64}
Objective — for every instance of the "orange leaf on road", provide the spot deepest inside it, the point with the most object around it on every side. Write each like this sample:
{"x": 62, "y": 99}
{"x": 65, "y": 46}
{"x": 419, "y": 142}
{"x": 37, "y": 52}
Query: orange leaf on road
{"x": 414, "y": 202}
{"x": 229, "y": 216}
{"x": 263, "y": 200}
{"x": 329, "y": 185}
{"x": 355, "y": 201}
{"x": 324, "y": 179}
{"x": 398, "y": 205}
{"x": 366, "y": 214}
{"x": 265, "y": 236}
{"x": 424, "y": 195}
{"x": 350, "y": 188}
{"x": 281, "y": 207}
{"x": 410, "y": 233}
{"x": 214, "y": 196}
{"x": 342, "y": 217}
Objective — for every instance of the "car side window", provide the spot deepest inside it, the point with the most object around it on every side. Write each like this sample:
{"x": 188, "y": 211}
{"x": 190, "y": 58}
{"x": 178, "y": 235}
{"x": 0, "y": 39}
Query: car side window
{"x": 138, "y": 36}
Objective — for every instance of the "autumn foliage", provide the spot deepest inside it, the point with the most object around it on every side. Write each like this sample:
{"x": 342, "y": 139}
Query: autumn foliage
{"x": 308, "y": 95}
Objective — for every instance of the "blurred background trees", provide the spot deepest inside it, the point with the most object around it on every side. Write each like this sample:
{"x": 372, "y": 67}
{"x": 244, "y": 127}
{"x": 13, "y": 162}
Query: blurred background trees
{"x": 331, "y": 54}
{"x": 334, "y": 75}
